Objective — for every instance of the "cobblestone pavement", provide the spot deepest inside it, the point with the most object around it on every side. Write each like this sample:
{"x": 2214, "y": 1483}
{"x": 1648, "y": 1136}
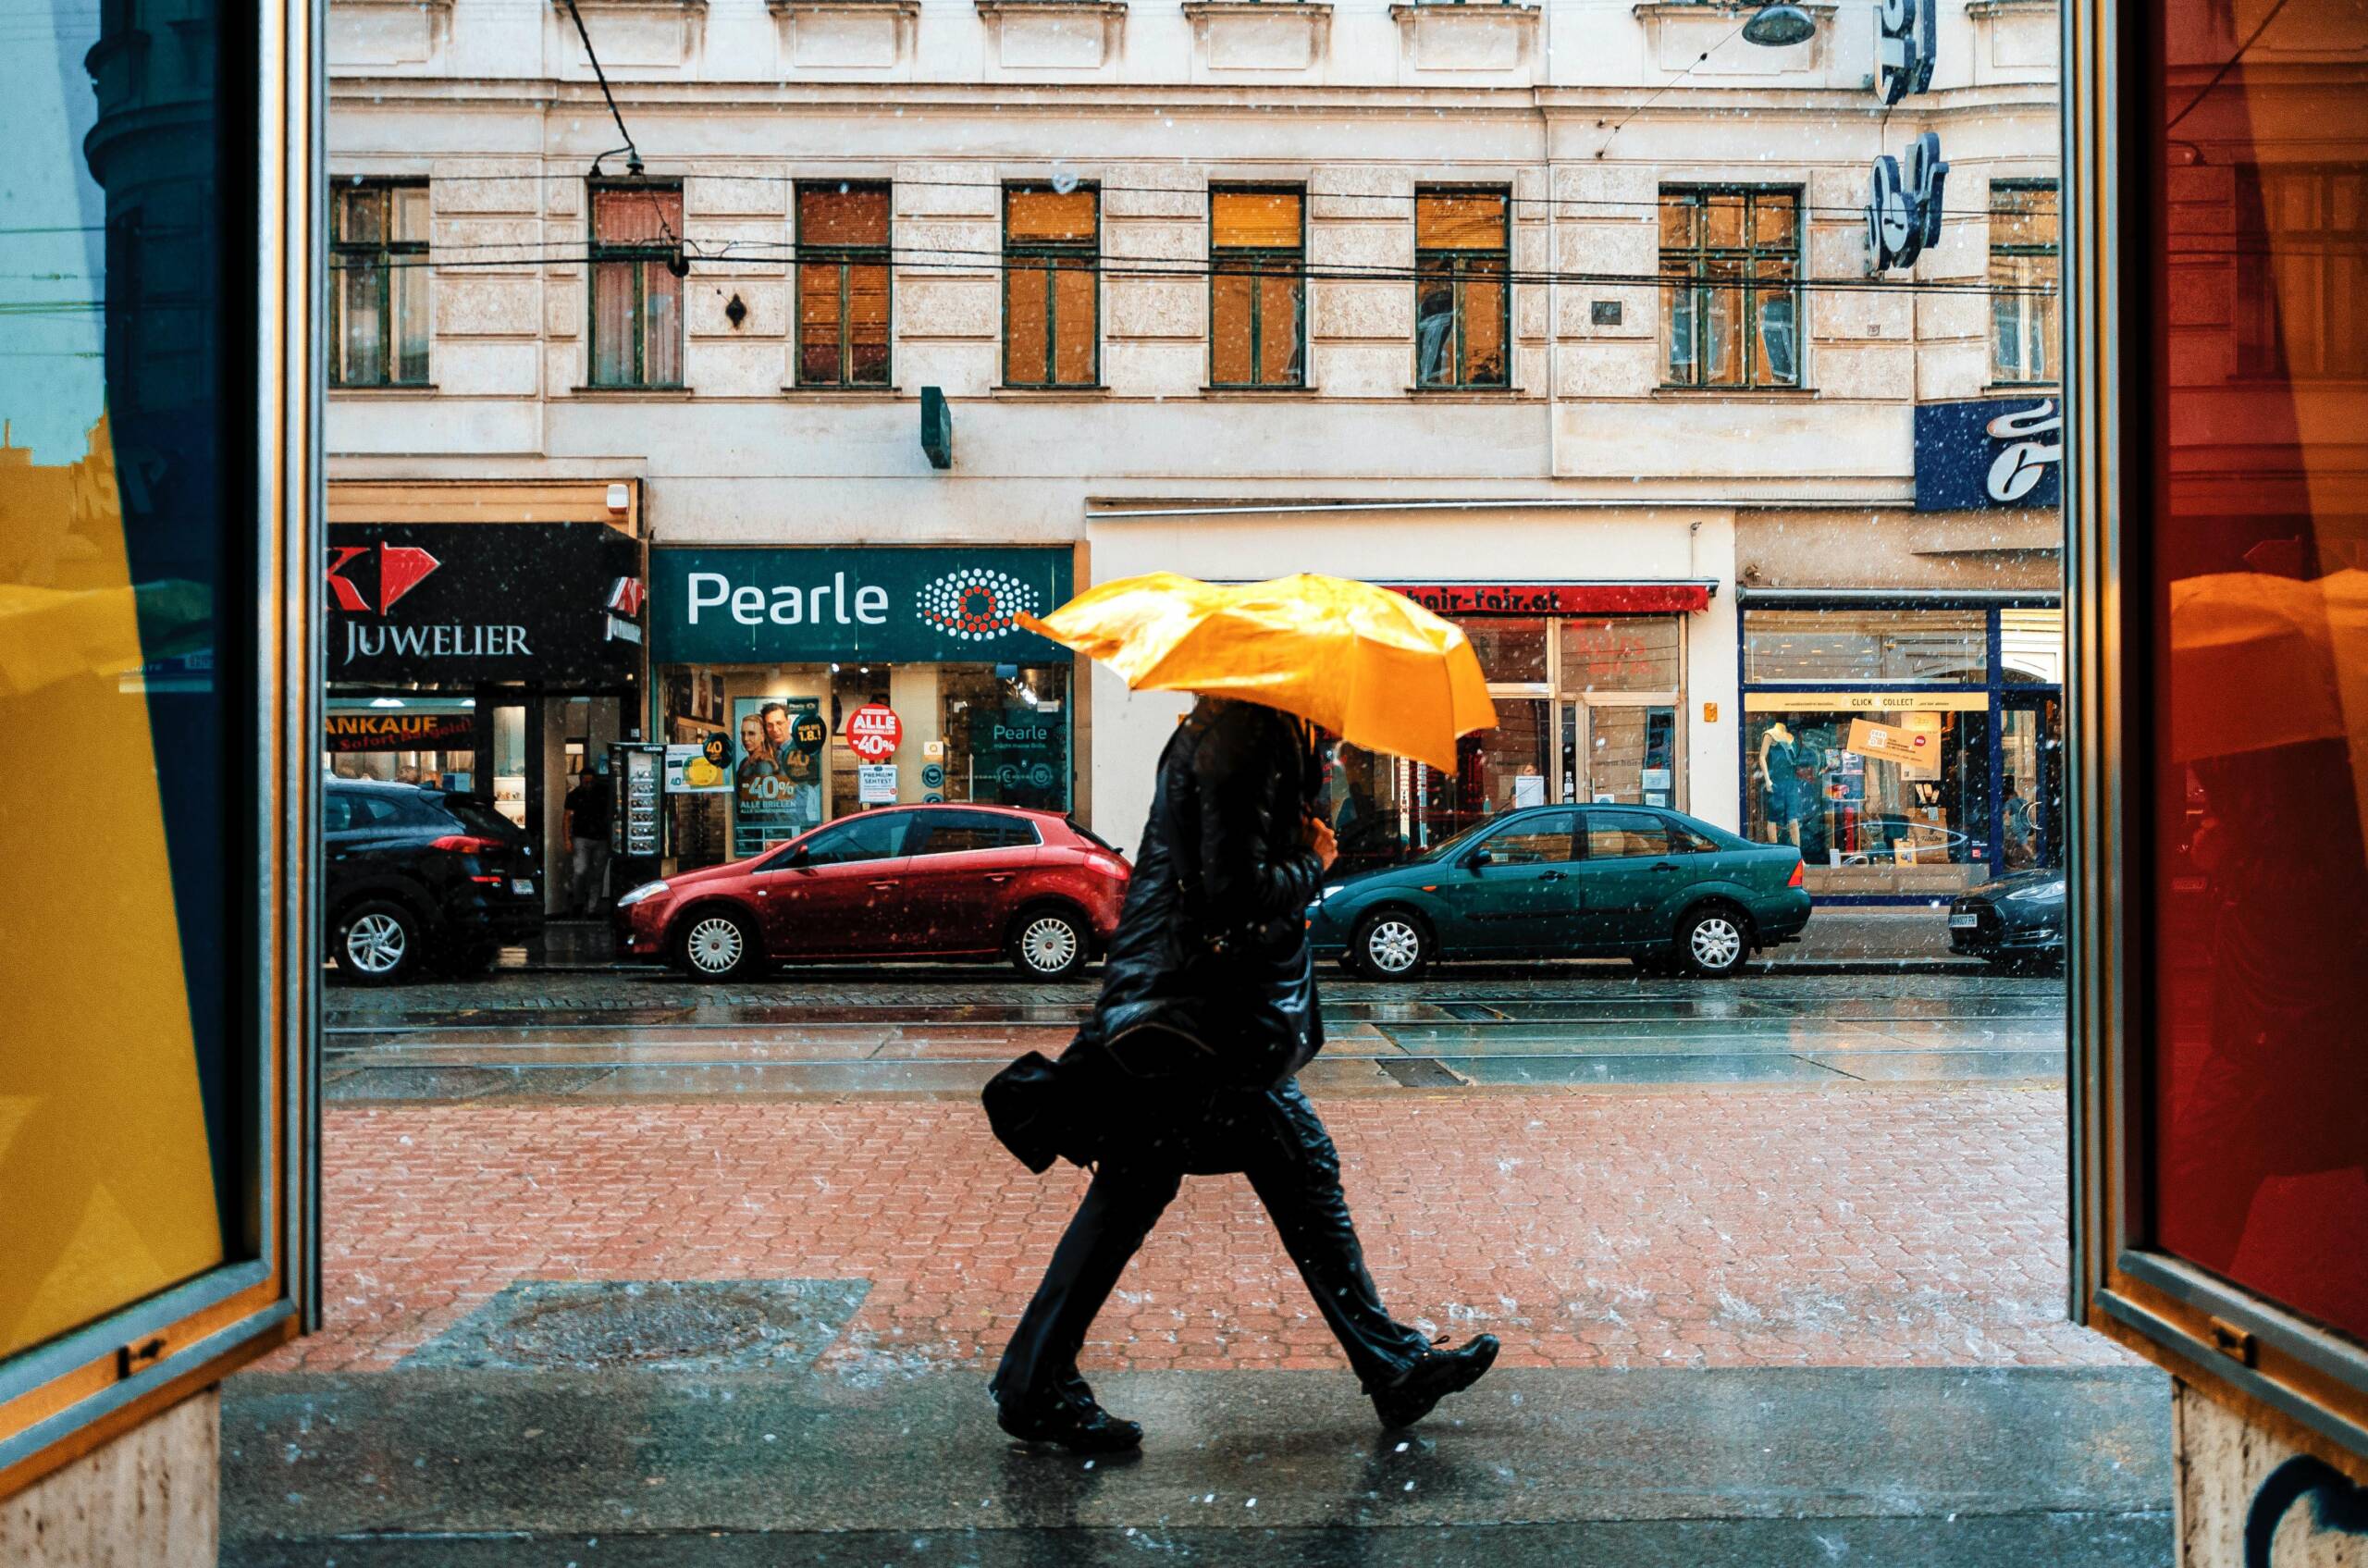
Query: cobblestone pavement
{"x": 1880, "y": 1227}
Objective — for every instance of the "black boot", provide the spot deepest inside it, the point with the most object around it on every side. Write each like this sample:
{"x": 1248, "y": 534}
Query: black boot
{"x": 1431, "y": 1379}
{"x": 1080, "y": 1426}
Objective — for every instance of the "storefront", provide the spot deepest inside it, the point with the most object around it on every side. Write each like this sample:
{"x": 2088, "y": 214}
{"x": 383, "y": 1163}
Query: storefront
{"x": 1589, "y": 685}
{"x": 486, "y": 640}
{"x": 793, "y": 686}
{"x": 1606, "y": 632}
{"x": 1911, "y": 748}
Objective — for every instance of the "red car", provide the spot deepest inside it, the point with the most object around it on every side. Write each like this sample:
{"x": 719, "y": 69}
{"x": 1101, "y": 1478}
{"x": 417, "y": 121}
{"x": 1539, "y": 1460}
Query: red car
{"x": 914, "y": 882}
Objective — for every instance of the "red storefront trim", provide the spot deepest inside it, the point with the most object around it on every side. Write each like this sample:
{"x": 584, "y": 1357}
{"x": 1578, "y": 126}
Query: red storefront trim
{"x": 1557, "y": 599}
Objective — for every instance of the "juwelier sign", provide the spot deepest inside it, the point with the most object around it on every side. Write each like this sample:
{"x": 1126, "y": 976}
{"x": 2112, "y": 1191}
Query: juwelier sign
{"x": 456, "y": 602}
{"x": 715, "y": 605}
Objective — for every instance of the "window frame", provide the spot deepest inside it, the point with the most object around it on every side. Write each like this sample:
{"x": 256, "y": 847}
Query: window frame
{"x": 1046, "y": 256}
{"x": 2234, "y": 1345}
{"x": 2026, "y": 305}
{"x": 2320, "y": 244}
{"x": 1754, "y": 294}
{"x": 1257, "y": 258}
{"x": 845, "y": 257}
{"x": 644, "y": 254}
{"x": 66, "y": 1397}
{"x": 1457, "y": 256}
{"x": 383, "y": 252}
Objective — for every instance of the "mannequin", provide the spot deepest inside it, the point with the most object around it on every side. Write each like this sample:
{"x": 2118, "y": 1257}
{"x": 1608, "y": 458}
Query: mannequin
{"x": 1779, "y": 759}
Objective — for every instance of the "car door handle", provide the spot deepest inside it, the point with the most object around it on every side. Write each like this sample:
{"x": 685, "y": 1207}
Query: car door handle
{"x": 1549, "y": 876}
{"x": 1000, "y": 876}
{"x": 881, "y": 886}
{"x": 1662, "y": 866}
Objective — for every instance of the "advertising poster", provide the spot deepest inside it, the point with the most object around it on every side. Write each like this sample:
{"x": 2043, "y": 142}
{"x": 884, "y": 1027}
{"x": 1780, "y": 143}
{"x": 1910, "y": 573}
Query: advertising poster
{"x": 777, "y": 780}
{"x": 699, "y": 767}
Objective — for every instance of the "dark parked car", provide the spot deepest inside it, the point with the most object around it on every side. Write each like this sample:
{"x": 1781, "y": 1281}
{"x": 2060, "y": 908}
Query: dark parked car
{"x": 919, "y": 882}
{"x": 1559, "y": 882}
{"x": 2014, "y": 921}
{"x": 416, "y": 877}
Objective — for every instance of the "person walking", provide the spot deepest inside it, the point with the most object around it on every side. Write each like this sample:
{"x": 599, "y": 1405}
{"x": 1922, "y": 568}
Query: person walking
{"x": 1208, "y": 1010}
{"x": 588, "y": 806}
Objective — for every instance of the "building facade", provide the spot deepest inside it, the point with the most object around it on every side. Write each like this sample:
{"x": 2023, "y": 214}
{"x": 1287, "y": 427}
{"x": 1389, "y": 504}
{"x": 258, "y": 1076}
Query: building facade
{"x": 1557, "y": 317}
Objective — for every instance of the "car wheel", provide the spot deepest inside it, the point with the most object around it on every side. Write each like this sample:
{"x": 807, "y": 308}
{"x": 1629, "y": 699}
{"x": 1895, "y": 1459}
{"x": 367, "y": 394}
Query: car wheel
{"x": 378, "y": 943}
{"x": 1390, "y": 945}
{"x": 718, "y": 944}
{"x": 1713, "y": 941}
{"x": 1049, "y": 944}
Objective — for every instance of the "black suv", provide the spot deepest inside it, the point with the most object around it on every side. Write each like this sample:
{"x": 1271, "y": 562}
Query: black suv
{"x": 416, "y": 876}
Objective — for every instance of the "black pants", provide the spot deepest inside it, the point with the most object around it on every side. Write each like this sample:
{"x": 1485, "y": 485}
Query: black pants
{"x": 1277, "y": 1141}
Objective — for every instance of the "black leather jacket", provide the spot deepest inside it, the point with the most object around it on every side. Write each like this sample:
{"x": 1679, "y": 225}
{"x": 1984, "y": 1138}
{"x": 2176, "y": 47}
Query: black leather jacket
{"x": 1211, "y": 957}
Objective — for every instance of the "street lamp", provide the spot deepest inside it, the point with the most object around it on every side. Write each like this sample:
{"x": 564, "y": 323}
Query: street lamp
{"x": 1777, "y": 26}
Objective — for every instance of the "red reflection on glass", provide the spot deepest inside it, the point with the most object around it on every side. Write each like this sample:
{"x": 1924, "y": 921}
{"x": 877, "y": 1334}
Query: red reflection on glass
{"x": 2259, "y": 1144}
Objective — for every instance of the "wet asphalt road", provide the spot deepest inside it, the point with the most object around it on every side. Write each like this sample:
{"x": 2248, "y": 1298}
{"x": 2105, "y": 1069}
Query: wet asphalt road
{"x": 942, "y": 1031}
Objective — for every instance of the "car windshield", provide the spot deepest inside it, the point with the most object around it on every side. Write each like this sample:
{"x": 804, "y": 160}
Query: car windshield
{"x": 1449, "y": 846}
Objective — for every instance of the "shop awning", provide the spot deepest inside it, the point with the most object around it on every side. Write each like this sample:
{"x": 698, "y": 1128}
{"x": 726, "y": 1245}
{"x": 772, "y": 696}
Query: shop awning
{"x": 1630, "y": 596}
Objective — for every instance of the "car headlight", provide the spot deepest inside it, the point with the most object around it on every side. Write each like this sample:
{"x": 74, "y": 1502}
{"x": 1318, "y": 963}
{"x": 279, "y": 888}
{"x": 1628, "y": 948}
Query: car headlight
{"x": 1337, "y": 887}
{"x": 2033, "y": 895}
{"x": 646, "y": 889}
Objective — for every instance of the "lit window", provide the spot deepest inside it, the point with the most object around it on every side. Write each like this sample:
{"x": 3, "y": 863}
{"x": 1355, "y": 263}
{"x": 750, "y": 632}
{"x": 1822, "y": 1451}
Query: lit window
{"x": 1730, "y": 301}
{"x": 1462, "y": 313}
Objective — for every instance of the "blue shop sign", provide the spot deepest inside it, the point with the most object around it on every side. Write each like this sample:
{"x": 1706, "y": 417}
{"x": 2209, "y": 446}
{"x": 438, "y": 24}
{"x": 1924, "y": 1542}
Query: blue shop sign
{"x": 1990, "y": 453}
{"x": 731, "y": 605}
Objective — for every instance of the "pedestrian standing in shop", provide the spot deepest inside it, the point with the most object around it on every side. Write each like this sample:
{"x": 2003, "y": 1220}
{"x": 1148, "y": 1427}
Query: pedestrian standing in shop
{"x": 588, "y": 806}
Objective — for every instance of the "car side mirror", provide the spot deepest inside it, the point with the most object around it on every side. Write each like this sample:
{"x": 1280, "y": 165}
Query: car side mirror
{"x": 1478, "y": 859}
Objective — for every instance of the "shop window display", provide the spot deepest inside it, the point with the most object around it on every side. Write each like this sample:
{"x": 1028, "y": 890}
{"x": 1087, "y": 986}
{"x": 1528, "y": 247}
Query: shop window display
{"x": 996, "y": 734}
{"x": 1887, "y": 801}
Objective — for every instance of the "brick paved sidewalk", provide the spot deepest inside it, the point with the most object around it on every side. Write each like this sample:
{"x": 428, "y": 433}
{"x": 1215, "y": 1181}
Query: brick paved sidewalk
{"x": 1897, "y": 1228}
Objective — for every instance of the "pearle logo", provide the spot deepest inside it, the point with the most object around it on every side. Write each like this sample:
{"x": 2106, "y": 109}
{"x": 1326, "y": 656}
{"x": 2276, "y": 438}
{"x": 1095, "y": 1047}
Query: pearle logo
{"x": 975, "y": 604}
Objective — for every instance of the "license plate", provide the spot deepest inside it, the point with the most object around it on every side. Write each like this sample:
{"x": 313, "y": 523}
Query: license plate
{"x": 522, "y": 886}
{"x": 1964, "y": 920}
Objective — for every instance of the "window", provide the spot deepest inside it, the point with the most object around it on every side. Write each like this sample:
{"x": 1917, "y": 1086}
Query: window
{"x": 636, "y": 298}
{"x": 1686, "y": 841}
{"x": 2302, "y": 249}
{"x": 873, "y": 835}
{"x": 1613, "y": 836}
{"x": 1534, "y": 840}
{"x": 954, "y": 832}
{"x": 1730, "y": 266}
{"x": 843, "y": 251}
{"x": 379, "y": 286}
{"x": 1511, "y": 650}
{"x": 1624, "y": 653}
{"x": 1908, "y": 647}
{"x": 2025, "y": 258}
{"x": 1257, "y": 289}
{"x": 1462, "y": 311}
{"x": 1051, "y": 329}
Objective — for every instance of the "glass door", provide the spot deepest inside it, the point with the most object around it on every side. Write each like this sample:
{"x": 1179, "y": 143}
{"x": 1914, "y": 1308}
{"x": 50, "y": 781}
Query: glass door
{"x": 1619, "y": 753}
{"x": 2031, "y": 787}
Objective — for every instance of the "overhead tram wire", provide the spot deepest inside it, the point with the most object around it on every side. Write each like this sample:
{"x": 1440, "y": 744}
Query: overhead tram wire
{"x": 1561, "y": 204}
{"x": 677, "y": 262}
{"x": 957, "y": 261}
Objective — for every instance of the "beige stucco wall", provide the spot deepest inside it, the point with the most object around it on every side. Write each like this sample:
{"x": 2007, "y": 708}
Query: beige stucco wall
{"x": 2220, "y": 1460}
{"x": 149, "y": 1499}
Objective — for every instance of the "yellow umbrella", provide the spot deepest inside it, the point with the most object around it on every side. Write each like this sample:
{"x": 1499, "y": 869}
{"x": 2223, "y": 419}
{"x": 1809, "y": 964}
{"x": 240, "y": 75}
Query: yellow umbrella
{"x": 1371, "y": 666}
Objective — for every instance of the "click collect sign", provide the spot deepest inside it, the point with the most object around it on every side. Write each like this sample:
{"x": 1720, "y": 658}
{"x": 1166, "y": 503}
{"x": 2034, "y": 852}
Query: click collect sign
{"x": 925, "y": 604}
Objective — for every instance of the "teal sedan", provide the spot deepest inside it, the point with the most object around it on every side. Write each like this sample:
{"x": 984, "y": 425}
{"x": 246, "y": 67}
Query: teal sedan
{"x": 1570, "y": 881}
